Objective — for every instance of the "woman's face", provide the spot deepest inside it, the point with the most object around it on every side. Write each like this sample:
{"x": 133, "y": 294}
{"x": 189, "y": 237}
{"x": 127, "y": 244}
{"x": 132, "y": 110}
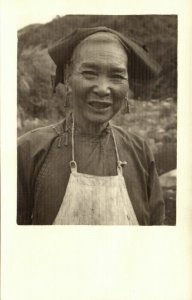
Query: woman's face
{"x": 99, "y": 80}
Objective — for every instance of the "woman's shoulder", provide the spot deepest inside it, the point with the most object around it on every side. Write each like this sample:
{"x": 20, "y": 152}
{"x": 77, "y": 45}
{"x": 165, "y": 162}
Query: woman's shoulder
{"x": 128, "y": 136}
{"x": 40, "y": 137}
{"x": 133, "y": 141}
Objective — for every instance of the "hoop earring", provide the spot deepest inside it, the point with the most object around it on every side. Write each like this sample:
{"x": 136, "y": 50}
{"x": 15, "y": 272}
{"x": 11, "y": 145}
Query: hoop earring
{"x": 67, "y": 97}
{"x": 66, "y": 101}
{"x": 127, "y": 106}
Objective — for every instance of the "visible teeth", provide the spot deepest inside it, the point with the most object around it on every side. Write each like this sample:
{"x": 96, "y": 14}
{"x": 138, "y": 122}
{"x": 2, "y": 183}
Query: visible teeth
{"x": 99, "y": 104}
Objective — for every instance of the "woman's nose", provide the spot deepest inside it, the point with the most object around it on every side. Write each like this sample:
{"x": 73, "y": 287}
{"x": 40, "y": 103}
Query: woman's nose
{"x": 102, "y": 88}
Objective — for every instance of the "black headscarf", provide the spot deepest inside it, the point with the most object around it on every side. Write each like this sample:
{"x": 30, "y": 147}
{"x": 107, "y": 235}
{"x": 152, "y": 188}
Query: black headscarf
{"x": 141, "y": 66}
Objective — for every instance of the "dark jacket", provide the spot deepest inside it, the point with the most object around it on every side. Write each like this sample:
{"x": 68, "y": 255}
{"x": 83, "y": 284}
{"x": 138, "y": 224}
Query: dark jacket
{"x": 43, "y": 171}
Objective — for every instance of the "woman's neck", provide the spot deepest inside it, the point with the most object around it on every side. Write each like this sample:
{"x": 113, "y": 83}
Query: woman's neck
{"x": 89, "y": 128}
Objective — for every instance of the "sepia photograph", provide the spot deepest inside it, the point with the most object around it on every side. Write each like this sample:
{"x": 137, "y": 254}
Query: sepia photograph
{"x": 97, "y": 120}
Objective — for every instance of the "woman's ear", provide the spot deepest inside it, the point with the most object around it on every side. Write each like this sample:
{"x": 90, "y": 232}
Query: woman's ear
{"x": 68, "y": 90}
{"x": 67, "y": 73}
{"x": 69, "y": 86}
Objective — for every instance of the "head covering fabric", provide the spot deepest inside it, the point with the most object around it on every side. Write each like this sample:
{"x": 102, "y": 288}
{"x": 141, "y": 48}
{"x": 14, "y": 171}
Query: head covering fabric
{"x": 141, "y": 66}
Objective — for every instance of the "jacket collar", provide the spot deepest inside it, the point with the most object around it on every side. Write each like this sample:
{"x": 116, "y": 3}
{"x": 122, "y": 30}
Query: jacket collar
{"x": 63, "y": 126}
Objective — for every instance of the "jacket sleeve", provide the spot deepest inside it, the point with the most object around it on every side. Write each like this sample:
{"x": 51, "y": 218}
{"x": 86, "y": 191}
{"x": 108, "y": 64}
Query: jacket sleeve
{"x": 31, "y": 153}
{"x": 24, "y": 178}
{"x": 156, "y": 201}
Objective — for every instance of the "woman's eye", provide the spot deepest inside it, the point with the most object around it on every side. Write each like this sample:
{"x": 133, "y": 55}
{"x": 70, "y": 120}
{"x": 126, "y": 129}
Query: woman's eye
{"x": 118, "y": 77}
{"x": 89, "y": 74}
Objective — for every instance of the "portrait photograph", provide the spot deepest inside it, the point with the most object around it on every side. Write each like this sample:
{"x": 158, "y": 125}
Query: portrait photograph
{"x": 97, "y": 121}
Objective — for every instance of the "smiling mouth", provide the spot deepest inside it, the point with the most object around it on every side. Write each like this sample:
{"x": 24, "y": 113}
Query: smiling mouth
{"x": 99, "y": 104}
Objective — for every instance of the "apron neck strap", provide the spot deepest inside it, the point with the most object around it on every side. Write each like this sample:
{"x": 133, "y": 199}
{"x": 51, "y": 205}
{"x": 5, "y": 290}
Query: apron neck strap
{"x": 119, "y": 163}
{"x": 72, "y": 138}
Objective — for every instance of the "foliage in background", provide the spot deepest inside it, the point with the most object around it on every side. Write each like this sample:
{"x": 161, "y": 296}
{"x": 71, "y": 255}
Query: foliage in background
{"x": 153, "y": 119}
{"x": 35, "y": 67}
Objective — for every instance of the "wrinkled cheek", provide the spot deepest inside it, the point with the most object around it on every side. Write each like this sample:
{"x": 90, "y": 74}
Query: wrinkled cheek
{"x": 124, "y": 89}
{"x": 77, "y": 97}
{"x": 119, "y": 97}
{"x": 117, "y": 105}
{"x": 79, "y": 91}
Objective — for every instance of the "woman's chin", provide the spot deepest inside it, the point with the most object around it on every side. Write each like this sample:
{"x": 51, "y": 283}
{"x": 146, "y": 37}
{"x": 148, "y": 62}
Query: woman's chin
{"x": 99, "y": 115}
{"x": 99, "y": 118}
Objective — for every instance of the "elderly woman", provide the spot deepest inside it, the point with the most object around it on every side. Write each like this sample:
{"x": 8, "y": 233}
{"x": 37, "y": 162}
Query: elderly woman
{"x": 84, "y": 170}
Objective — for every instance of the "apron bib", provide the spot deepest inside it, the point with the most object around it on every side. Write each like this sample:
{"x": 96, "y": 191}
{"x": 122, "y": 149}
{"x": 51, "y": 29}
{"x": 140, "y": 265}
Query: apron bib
{"x": 96, "y": 200}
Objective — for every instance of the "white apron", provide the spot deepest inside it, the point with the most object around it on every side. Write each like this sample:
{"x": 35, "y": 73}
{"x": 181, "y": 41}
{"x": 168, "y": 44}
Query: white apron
{"x": 96, "y": 200}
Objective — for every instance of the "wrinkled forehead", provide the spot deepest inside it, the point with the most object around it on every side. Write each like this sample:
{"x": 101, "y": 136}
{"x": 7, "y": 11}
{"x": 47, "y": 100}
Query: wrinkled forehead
{"x": 103, "y": 42}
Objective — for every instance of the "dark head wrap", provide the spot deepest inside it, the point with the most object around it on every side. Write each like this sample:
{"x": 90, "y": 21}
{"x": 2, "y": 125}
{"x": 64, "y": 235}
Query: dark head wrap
{"x": 141, "y": 67}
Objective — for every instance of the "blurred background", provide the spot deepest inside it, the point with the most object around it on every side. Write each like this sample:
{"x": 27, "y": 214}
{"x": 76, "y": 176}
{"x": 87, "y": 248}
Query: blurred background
{"x": 153, "y": 108}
